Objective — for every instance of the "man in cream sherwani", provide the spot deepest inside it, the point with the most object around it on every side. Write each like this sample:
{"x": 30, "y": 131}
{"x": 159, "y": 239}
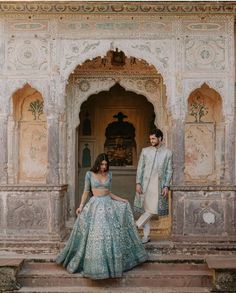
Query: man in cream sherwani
{"x": 154, "y": 173}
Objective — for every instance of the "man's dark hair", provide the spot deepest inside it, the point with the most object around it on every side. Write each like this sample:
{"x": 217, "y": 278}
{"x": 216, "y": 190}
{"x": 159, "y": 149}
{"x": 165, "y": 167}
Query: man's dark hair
{"x": 157, "y": 132}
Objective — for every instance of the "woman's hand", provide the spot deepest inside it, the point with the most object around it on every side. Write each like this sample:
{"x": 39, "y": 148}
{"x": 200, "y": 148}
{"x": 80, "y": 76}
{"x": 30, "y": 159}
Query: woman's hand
{"x": 79, "y": 210}
{"x": 165, "y": 191}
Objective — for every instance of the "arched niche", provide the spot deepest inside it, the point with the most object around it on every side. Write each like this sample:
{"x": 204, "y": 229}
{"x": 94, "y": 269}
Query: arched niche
{"x": 204, "y": 134}
{"x": 27, "y": 137}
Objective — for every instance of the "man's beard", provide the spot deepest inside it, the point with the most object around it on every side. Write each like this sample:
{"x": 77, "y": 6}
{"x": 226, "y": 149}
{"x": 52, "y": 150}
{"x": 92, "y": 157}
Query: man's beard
{"x": 156, "y": 144}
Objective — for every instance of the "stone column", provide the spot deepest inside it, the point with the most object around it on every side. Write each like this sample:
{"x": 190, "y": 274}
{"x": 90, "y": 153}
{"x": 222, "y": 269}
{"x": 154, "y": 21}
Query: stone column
{"x": 178, "y": 151}
{"x": 62, "y": 150}
{"x": 229, "y": 152}
{"x": 53, "y": 149}
{"x": 3, "y": 149}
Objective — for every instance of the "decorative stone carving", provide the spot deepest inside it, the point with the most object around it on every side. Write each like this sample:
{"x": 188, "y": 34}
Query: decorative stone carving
{"x": 116, "y": 28}
{"x": 26, "y": 26}
{"x": 204, "y": 26}
{"x": 32, "y": 213}
{"x": 97, "y": 8}
{"x": 225, "y": 280}
{"x": 8, "y": 282}
{"x": 84, "y": 85}
{"x": 204, "y": 211}
{"x": 74, "y": 52}
{"x": 31, "y": 54}
{"x": 150, "y": 88}
{"x": 156, "y": 52}
{"x": 205, "y": 54}
{"x": 27, "y": 213}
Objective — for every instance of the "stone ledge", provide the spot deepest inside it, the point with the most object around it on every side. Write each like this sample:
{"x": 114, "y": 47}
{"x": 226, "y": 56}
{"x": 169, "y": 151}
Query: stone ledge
{"x": 224, "y": 268}
{"x": 11, "y": 262}
{"x": 221, "y": 262}
{"x": 203, "y": 187}
{"x": 36, "y": 187}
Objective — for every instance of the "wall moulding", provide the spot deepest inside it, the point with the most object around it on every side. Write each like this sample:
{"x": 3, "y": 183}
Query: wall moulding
{"x": 54, "y": 7}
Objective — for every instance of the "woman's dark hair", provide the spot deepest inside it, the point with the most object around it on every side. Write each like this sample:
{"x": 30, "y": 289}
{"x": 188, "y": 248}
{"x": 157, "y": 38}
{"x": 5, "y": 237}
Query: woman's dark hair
{"x": 98, "y": 161}
{"x": 157, "y": 132}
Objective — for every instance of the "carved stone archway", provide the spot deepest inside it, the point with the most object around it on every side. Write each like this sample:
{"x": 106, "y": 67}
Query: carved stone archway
{"x": 83, "y": 87}
{"x": 156, "y": 52}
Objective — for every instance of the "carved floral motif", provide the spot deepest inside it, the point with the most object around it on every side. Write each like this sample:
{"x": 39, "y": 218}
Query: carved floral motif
{"x": 198, "y": 109}
{"x": 36, "y": 107}
{"x": 27, "y": 54}
{"x": 205, "y": 53}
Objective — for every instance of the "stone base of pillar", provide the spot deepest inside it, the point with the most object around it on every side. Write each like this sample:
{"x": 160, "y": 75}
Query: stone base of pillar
{"x": 203, "y": 214}
{"x": 32, "y": 218}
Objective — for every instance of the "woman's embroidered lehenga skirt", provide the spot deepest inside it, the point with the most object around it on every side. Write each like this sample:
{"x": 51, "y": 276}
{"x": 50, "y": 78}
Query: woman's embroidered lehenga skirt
{"x": 104, "y": 241}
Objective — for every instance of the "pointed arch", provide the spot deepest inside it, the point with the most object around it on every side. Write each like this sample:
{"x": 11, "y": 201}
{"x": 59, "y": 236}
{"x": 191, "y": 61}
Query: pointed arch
{"x": 27, "y": 138}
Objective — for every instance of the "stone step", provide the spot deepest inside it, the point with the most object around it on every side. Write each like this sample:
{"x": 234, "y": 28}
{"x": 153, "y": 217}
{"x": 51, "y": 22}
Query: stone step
{"x": 166, "y": 247}
{"x": 114, "y": 290}
{"x": 153, "y": 274}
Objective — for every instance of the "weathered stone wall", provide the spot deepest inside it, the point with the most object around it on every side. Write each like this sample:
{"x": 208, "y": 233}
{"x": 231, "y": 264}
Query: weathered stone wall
{"x": 42, "y": 50}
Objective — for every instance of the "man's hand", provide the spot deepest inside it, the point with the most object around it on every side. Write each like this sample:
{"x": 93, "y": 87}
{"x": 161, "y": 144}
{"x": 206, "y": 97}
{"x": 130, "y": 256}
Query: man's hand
{"x": 165, "y": 191}
{"x": 139, "y": 188}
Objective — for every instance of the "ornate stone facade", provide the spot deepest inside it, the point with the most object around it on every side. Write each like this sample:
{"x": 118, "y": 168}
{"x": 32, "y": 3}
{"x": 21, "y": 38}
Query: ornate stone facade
{"x": 185, "y": 45}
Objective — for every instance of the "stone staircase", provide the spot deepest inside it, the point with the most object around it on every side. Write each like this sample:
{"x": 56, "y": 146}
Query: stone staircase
{"x": 150, "y": 277}
{"x": 169, "y": 270}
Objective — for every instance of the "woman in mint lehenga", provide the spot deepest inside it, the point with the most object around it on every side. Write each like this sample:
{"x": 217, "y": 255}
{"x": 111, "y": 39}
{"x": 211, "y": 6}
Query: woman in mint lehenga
{"x": 104, "y": 241}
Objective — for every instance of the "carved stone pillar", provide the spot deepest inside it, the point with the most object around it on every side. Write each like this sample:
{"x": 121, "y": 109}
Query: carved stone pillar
{"x": 62, "y": 150}
{"x": 178, "y": 151}
{"x": 229, "y": 152}
{"x": 53, "y": 149}
{"x": 3, "y": 148}
{"x": 10, "y": 146}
